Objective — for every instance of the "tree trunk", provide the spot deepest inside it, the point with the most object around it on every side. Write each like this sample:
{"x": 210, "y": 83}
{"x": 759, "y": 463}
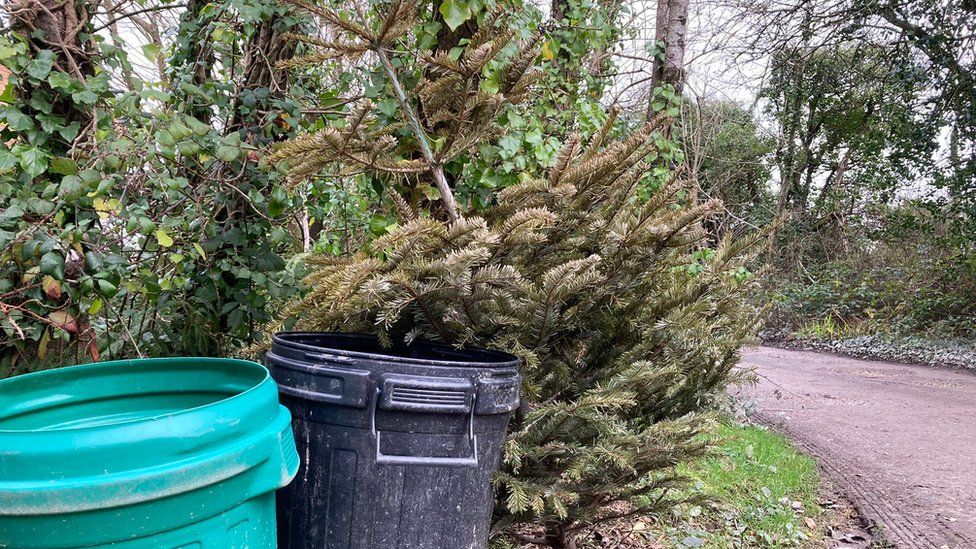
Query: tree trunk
{"x": 57, "y": 26}
{"x": 266, "y": 48}
{"x": 447, "y": 38}
{"x": 60, "y": 27}
{"x": 196, "y": 56}
{"x": 674, "y": 44}
{"x": 660, "y": 36}
{"x": 671, "y": 25}
{"x": 597, "y": 62}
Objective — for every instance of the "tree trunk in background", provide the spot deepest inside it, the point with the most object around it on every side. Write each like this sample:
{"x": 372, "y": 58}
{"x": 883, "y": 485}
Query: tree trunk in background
{"x": 262, "y": 124}
{"x": 58, "y": 26}
{"x": 64, "y": 28}
{"x": 566, "y": 88}
{"x": 266, "y": 48}
{"x": 447, "y": 38}
{"x": 597, "y": 62}
{"x": 660, "y": 37}
{"x": 194, "y": 55}
{"x": 674, "y": 44}
{"x": 671, "y": 25}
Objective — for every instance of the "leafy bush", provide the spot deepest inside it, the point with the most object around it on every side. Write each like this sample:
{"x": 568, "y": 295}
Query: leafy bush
{"x": 892, "y": 289}
{"x": 130, "y": 223}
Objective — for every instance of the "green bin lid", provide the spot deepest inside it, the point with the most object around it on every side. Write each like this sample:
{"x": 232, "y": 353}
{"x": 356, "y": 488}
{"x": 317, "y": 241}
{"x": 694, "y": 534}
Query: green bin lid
{"x": 119, "y": 433}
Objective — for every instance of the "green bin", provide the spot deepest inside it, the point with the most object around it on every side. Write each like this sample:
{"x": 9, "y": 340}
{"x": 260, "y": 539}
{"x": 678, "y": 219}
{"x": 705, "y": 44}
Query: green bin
{"x": 155, "y": 453}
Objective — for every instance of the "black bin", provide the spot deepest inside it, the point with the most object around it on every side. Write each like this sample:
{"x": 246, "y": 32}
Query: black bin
{"x": 398, "y": 445}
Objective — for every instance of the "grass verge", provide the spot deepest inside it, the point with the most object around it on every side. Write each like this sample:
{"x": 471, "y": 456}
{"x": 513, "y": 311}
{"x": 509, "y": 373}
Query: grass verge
{"x": 765, "y": 492}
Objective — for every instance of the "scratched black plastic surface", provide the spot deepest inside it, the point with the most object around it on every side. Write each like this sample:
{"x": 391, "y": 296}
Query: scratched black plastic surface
{"x": 346, "y": 393}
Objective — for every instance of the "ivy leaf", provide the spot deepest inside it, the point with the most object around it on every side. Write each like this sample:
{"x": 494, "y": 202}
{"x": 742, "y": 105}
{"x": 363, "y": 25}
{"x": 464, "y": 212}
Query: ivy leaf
{"x": 146, "y": 225}
{"x": 230, "y": 147}
{"x": 188, "y": 147}
{"x": 193, "y": 90}
{"x": 59, "y": 81}
{"x": 150, "y": 50}
{"x": 40, "y": 66}
{"x": 278, "y": 203}
{"x": 179, "y": 130}
{"x": 112, "y": 162}
{"x": 40, "y": 206}
{"x": 6, "y": 52}
{"x": 106, "y": 288}
{"x": 33, "y": 161}
{"x": 70, "y": 131}
{"x": 64, "y": 166}
{"x": 275, "y": 208}
{"x": 165, "y": 138}
{"x": 52, "y": 263}
{"x": 197, "y": 126}
{"x": 388, "y": 106}
{"x": 547, "y": 52}
{"x": 8, "y": 94}
{"x": 104, "y": 207}
{"x": 164, "y": 239}
{"x": 71, "y": 187}
{"x": 7, "y": 160}
{"x": 18, "y": 121}
{"x": 455, "y": 12}
{"x": 5, "y": 237}
{"x": 85, "y": 97}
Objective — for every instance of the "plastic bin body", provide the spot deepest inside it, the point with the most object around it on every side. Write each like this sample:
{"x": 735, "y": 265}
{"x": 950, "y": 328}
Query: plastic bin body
{"x": 398, "y": 446}
{"x": 157, "y": 453}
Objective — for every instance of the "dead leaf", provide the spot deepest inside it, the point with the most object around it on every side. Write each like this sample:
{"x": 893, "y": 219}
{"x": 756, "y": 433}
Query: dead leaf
{"x": 52, "y": 287}
{"x": 810, "y": 523}
{"x": 93, "y": 347}
{"x": 64, "y": 320}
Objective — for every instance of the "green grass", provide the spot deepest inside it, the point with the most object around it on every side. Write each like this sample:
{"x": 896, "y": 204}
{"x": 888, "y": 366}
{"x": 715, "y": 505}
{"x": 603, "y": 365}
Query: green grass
{"x": 756, "y": 477}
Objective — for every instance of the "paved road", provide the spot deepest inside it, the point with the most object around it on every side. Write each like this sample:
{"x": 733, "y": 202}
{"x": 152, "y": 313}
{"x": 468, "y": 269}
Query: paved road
{"x": 900, "y": 440}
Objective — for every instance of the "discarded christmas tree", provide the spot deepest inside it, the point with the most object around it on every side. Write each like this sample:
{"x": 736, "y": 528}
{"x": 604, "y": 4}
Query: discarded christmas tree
{"x": 627, "y": 324}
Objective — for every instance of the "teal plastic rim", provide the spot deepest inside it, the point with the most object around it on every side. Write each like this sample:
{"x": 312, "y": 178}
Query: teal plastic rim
{"x": 119, "y": 433}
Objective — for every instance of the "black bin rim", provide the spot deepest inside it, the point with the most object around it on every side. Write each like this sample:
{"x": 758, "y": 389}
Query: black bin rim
{"x": 421, "y": 352}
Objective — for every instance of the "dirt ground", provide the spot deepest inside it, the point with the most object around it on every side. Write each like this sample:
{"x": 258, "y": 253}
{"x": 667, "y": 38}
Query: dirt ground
{"x": 898, "y": 440}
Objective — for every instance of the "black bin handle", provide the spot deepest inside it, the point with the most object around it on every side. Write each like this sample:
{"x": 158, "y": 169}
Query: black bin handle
{"x": 430, "y": 461}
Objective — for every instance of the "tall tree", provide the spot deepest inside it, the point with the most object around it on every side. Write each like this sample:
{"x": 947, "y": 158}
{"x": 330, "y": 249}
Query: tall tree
{"x": 725, "y": 147}
{"x": 582, "y": 36}
{"x": 938, "y": 35}
{"x": 849, "y": 131}
{"x": 670, "y": 69}
{"x": 248, "y": 94}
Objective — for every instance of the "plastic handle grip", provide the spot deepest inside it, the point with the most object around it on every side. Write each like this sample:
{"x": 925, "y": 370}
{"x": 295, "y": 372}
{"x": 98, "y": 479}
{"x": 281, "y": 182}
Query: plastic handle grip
{"x": 430, "y": 461}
